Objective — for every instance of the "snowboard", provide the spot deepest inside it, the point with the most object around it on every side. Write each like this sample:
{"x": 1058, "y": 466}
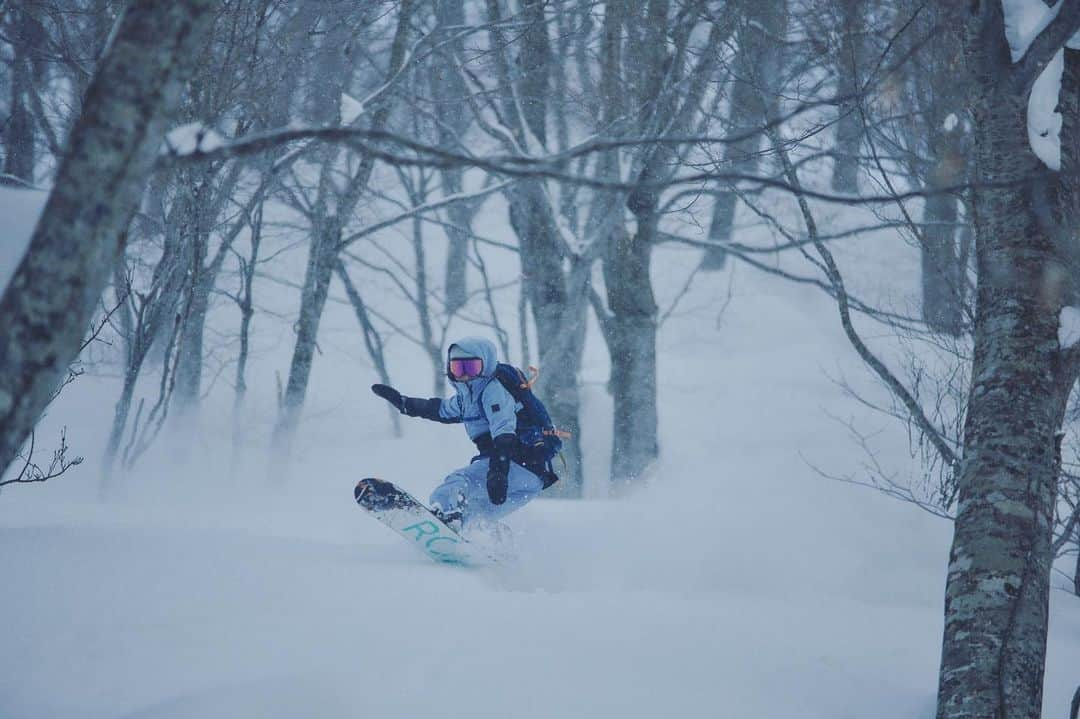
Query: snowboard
{"x": 401, "y": 512}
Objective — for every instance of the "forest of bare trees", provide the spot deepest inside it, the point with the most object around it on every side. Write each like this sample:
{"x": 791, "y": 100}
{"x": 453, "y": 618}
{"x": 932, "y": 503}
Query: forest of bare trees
{"x": 193, "y": 149}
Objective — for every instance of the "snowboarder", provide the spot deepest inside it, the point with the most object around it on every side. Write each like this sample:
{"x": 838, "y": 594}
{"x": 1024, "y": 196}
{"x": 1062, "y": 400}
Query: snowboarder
{"x": 510, "y": 427}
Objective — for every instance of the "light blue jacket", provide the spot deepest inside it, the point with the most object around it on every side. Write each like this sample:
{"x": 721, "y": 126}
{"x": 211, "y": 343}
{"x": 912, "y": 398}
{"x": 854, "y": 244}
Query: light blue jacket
{"x": 482, "y": 404}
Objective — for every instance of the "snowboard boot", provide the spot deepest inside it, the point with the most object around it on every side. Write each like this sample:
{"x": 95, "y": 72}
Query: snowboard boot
{"x": 453, "y": 518}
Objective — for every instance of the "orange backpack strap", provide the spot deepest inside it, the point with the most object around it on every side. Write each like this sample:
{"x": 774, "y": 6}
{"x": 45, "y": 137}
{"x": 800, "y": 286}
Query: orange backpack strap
{"x": 527, "y": 383}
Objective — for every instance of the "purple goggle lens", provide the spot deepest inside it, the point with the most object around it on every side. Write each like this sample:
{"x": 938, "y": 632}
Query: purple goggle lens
{"x": 466, "y": 367}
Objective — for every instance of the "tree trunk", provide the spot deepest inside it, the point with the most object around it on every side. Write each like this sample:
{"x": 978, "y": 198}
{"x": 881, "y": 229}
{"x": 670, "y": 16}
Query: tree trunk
{"x": 633, "y": 349}
{"x": 559, "y": 388}
{"x": 460, "y": 217}
{"x": 189, "y": 361}
{"x": 19, "y": 131}
{"x": 849, "y": 129}
{"x": 997, "y": 592}
{"x": 558, "y": 325}
{"x": 27, "y": 76}
{"x": 325, "y": 247}
{"x": 208, "y": 200}
{"x": 942, "y": 273}
{"x": 321, "y": 262}
{"x": 1076, "y": 571}
{"x": 449, "y": 92}
{"x": 47, "y": 306}
{"x": 758, "y": 66}
{"x": 120, "y": 415}
{"x": 632, "y": 325}
{"x": 247, "y": 312}
{"x": 559, "y": 339}
{"x": 943, "y": 270}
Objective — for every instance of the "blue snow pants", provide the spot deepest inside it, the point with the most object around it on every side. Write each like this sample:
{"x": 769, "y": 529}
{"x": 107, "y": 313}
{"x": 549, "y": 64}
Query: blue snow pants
{"x": 470, "y": 483}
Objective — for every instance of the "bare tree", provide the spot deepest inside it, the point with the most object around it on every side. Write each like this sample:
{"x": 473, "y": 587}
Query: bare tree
{"x": 758, "y": 66}
{"x": 331, "y": 212}
{"x": 56, "y": 288}
{"x": 849, "y": 130}
{"x": 20, "y": 146}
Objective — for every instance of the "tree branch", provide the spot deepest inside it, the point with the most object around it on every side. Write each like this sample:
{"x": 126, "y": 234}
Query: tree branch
{"x": 832, "y": 271}
{"x": 1045, "y": 45}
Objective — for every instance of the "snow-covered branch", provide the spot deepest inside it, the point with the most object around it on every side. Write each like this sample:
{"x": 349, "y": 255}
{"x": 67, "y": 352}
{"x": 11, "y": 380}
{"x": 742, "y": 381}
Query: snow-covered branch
{"x": 1064, "y": 25}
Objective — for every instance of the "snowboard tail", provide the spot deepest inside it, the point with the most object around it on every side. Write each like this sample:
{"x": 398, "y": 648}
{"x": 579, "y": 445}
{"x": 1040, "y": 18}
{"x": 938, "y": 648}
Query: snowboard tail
{"x": 401, "y": 512}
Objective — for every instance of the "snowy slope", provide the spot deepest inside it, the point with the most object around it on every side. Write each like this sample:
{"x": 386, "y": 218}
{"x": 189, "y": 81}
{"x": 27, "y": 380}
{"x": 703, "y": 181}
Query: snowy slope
{"x": 738, "y": 584}
{"x": 20, "y": 208}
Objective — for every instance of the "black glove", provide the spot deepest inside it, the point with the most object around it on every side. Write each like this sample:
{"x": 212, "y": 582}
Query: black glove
{"x": 499, "y": 467}
{"x": 390, "y": 394}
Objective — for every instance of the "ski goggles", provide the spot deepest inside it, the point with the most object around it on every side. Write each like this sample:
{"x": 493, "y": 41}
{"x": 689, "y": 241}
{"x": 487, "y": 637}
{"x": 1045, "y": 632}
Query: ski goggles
{"x": 465, "y": 368}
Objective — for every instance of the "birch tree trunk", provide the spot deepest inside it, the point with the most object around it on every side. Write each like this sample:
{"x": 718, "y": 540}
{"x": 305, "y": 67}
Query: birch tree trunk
{"x": 997, "y": 592}
{"x": 50, "y": 301}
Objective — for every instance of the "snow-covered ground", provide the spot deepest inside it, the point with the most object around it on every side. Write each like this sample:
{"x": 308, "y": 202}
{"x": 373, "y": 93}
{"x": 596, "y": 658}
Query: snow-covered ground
{"x": 738, "y": 584}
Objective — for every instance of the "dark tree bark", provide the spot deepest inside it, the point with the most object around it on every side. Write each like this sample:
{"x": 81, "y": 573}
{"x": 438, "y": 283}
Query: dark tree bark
{"x": 325, "y": 247}
{"x": 209, "y": 201}
{"x": 325, "y": 243}
{"x": 559, "y": 322}
{"x": 670, "y": 90}
{"x": 755, "y": 89}
{"x": 943, "y": 273}
{"x": 997, "y": 592}
{"x": 632, "y": 324}
{"x": 449, "y": 92}
{"x": 244, "y": 299}
{"x": 47, "y": 307}
{"x": 19, "y": 148}
{"x": 849, "y": 126}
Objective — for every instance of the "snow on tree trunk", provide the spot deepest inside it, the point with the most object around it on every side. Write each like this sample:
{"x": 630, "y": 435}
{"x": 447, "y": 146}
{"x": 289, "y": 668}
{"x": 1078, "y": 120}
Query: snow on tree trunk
{"x": 48, "y": 305}
{"x": 997, "y": 592}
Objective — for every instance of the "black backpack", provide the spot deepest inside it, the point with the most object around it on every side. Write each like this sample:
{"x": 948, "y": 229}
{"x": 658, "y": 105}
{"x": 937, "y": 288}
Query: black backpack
{"x": 535, "y": 430}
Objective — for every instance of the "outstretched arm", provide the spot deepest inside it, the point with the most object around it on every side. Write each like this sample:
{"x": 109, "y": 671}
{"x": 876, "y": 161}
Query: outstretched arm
{"x": 435, "y": 409}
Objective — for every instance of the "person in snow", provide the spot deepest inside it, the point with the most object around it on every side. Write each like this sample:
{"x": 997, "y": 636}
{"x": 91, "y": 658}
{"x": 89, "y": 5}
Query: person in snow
{"x": 503, "y": 476}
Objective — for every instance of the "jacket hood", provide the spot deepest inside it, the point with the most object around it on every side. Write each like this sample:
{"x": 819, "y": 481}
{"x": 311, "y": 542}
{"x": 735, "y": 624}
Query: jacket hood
{"x": 477, "y": 347}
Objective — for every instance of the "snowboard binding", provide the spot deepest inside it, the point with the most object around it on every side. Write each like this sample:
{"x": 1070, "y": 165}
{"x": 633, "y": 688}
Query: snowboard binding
{"x": 375, "y": 494}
